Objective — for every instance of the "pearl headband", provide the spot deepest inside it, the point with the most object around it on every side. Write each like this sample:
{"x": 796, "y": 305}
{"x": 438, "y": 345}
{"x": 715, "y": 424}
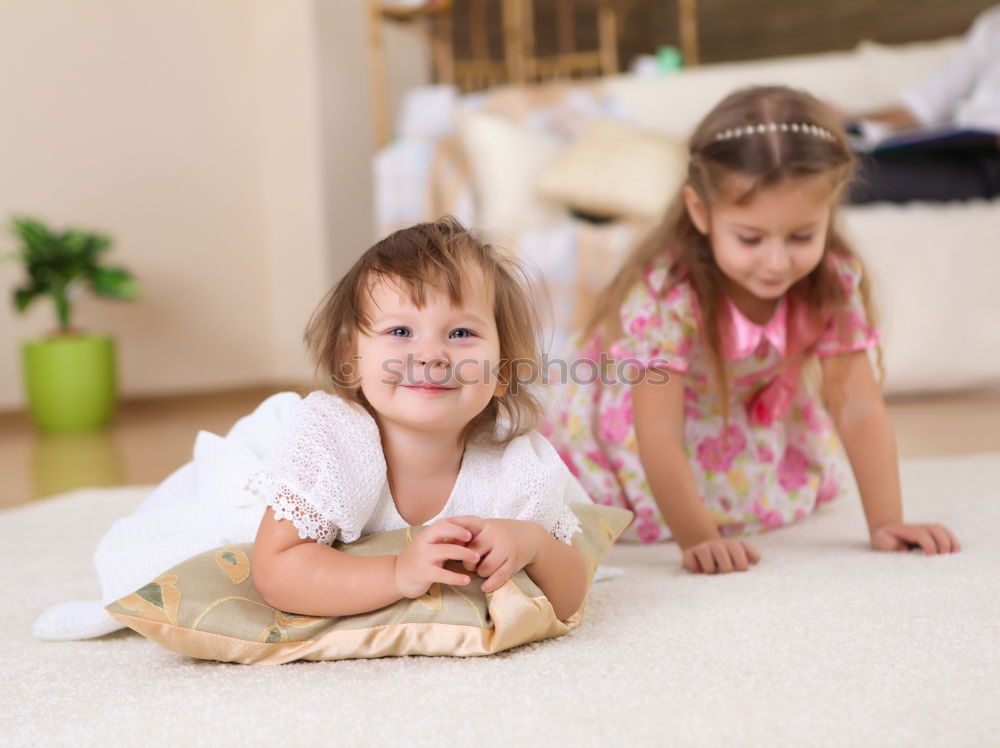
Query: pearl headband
{"x": 796, "y": 127}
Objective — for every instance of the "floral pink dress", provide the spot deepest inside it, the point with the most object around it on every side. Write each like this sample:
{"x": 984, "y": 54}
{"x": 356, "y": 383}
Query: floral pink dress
{"x": 779, "y": 456}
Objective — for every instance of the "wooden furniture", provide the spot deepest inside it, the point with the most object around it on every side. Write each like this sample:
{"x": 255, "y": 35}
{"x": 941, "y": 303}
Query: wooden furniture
{"x": 687, "y": 22}
{"x": 520, "y": 63}
{"x": 568, "y": 61}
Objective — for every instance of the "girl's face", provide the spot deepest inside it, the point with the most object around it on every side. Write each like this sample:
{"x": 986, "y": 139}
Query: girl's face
{"x": 768, "y": 244}
{"x": 431, "y": 368}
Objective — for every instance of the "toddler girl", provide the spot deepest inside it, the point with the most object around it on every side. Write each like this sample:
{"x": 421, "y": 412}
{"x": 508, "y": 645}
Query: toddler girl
{"x": 419, "y": 339}
{"x": 699, "y": 417}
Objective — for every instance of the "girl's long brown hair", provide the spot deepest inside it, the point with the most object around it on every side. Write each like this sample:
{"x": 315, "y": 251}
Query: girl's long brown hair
{"x": 438, "y": 254}
{"x": 767, "y": 158}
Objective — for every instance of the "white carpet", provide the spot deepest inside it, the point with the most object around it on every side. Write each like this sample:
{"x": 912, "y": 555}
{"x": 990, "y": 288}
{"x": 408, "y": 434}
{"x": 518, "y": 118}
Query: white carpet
{"x": 824, "y": 643}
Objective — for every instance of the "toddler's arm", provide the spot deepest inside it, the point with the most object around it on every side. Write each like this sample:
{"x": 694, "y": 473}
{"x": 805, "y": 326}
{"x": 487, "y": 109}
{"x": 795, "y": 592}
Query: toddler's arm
{"x": 509, "y": 545}
{"x": 855, "y": 402}
{"x": 658, "y": 410}
{"x": 560, "y": 573}
{"x": 302, "y": 576}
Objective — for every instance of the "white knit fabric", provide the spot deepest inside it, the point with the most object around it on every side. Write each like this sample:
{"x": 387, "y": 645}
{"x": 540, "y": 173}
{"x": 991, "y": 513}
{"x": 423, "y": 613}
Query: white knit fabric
{"x": 328, "y": 477}
{"x": 200, "y": 506}
{"x": 206, "y": 504}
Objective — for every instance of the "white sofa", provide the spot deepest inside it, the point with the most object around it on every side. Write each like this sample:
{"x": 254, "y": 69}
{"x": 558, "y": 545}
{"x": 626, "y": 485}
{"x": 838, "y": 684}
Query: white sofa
{"x": 935, "y": 267}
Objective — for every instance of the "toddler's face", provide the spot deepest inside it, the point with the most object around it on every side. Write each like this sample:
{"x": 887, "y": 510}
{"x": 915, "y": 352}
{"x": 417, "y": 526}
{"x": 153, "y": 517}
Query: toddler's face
{"x": 767, "y": 245}
{"x": 431, "y": 368}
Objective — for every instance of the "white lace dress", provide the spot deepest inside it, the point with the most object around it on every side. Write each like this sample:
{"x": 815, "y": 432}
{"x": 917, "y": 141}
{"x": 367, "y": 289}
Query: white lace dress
{"x": 318, "y": 461}
{"x": 328, "y": 477}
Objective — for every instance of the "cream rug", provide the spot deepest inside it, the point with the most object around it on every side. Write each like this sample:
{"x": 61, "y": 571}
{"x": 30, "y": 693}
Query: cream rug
{"x": 824, "y": 643}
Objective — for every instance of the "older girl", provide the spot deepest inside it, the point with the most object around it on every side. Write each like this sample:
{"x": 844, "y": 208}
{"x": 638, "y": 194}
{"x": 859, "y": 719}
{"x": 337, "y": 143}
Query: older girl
{"x": 720, "y": 310}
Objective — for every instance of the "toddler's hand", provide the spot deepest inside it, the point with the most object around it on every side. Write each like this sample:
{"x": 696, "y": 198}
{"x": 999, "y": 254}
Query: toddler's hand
{"x": 422, "y": 563}
{"x": 505, "y": 546}
{"x": 721, "y": 555}
{"x": 933, "y": 539}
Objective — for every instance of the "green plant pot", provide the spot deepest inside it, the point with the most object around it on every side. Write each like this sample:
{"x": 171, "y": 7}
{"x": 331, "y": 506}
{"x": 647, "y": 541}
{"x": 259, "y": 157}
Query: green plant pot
{"x": 71, "y": 382}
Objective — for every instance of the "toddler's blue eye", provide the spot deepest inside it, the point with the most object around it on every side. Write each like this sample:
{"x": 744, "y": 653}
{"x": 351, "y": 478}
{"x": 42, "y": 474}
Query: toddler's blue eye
{"x": 802, "y": 238}
{"x": 462, "y": 332}
{"x": 399, "y": 332}
{"x": 750, "y": 241}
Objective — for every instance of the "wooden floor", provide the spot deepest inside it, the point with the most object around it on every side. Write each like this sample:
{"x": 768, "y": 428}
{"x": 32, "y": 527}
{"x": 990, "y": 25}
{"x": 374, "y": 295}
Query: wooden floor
{"x": 151, "y": 438}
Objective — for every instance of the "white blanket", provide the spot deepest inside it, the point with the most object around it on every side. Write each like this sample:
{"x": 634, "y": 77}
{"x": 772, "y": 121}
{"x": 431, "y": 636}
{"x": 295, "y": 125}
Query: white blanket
{"x": 200, "y": 506}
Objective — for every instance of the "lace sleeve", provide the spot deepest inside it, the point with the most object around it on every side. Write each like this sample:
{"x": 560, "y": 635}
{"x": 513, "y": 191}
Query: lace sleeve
{"x": 536, "y": 485}
{"x": 327, "y": 470}
{"x": 310, "y": 521}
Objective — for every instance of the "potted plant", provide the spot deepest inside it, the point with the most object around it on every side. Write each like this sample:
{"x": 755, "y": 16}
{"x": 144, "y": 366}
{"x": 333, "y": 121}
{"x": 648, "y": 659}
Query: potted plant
{"x": 70, "y": 376}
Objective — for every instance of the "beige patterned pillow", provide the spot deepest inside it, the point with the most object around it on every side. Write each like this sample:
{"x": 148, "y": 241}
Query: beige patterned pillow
{"x": 616, "y": 170}
{"x": 208, "y": 607}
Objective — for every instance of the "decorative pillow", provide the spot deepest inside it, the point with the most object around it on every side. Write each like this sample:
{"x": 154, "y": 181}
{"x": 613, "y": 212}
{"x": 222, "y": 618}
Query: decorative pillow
{"x": 616, "y": 170}
{"x": 208, "y": 607}
{"x": 506, "y": 159}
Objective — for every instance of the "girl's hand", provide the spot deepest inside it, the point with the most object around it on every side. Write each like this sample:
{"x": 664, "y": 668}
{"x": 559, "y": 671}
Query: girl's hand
{"x": 897, "y": 536}
{"x": 422, "y": 563}
{"x": 721, "y": 555}
{"x": 504, "y": 546}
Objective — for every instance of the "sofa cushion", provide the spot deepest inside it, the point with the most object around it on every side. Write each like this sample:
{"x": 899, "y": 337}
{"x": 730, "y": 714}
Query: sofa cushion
{"x": 616, "y": 170}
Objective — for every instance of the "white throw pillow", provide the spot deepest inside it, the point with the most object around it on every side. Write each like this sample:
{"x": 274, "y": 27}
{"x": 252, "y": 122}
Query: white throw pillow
{"x": 428, "y": 113}
{"x": 616, "y": 170}
{"x": 505, "y": 160}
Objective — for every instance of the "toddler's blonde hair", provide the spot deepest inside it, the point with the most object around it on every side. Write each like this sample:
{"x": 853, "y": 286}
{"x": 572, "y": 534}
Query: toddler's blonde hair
{"x": 436, "y": 254}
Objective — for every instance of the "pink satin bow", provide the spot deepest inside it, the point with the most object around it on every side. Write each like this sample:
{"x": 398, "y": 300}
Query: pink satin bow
{"x": 773, "y": 400}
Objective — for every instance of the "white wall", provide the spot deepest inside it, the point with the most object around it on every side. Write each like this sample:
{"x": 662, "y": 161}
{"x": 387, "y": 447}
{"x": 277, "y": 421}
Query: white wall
{"x": 348, "y": 137}
{"x": 225, "y": 144}
{"x": 298, "y": 265}
{"x": 139, "y": 118}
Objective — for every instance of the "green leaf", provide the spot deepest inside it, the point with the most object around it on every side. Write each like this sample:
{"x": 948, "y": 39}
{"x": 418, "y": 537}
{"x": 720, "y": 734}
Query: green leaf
{"x": 29, "y": 228}
{"x": 113, "y": 283}
{"x": 273, "y": 636}
{"x": 74, "y": 242}
{"x": 35, "y": 236}
{"x": 25, "y": 295}
{"x": 152, "y": 593}
{"x": 99, "y": 243}
{"x": 56, "y": 262}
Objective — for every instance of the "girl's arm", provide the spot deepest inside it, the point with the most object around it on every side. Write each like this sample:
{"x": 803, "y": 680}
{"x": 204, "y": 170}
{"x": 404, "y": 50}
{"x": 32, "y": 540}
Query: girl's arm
{"x": 896, "y": 118}
{"x": 658, "y": 415}
{"x": 559, "y": 571}
{"x": 855, "y": 402}
{"x": 509, "y": 545}
{"x": 305, "y": 577}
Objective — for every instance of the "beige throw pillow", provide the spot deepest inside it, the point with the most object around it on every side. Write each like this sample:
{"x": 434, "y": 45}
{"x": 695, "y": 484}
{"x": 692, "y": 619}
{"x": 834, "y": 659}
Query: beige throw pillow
{"x": 616, "y": 170}
{"x": 208, "y": 607}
